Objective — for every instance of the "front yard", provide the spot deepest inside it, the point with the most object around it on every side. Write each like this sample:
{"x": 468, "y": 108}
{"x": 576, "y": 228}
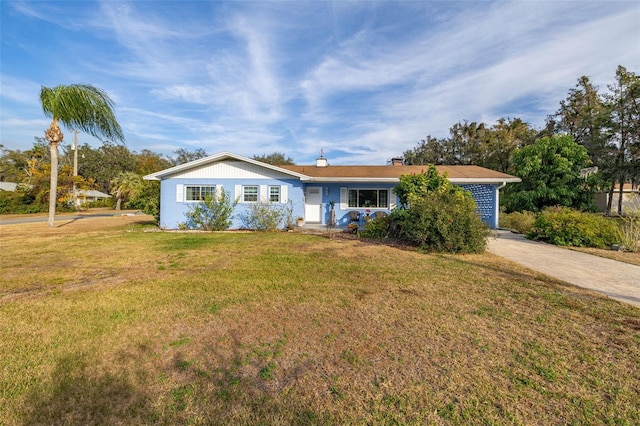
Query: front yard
{"x": 117, "y": 324}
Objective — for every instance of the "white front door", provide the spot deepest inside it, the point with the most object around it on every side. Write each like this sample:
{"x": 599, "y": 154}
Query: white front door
{"x": 313, "y": 204}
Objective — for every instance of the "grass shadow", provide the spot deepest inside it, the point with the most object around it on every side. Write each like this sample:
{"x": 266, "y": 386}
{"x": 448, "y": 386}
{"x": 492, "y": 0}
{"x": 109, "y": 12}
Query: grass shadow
{"x": 77, "y": 395}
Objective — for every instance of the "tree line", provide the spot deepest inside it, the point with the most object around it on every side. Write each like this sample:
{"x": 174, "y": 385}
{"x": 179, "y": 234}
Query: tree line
{"x": 606, "y": 124}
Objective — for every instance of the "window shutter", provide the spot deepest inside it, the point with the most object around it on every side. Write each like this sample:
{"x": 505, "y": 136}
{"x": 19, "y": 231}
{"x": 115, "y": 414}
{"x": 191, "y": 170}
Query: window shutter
{"x": 179, "y": 193}
{"x": 284, "y": 194}
{"x": 344, "y": 198}
{"x": 238, "y": 195}
{"x": 392, "y": 199}
{"x": 219, "y": 191}
{"x": 263, "y": 194}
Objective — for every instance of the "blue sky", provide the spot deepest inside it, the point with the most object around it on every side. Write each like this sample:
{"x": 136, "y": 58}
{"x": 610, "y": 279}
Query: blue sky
{"x": 362, "y": 80}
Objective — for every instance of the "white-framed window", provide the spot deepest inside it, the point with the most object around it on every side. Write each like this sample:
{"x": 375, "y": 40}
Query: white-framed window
{"x": 199, "y": 192}
{"x": 274, "y": 194}
{"x": 369, "y": 198}
{"x": 250, "y": 194}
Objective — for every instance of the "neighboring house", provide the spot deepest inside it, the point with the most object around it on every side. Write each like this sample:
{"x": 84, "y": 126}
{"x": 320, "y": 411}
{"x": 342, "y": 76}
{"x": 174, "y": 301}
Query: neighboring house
{"x": 311, "y": 188}
{"x": 87, "y": 196}
{"x": 630, "y": 198}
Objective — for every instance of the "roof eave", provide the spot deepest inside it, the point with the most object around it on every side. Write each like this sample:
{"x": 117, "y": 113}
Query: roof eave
{"x": 396, "y": 180}
{"x": 218, "y": 157}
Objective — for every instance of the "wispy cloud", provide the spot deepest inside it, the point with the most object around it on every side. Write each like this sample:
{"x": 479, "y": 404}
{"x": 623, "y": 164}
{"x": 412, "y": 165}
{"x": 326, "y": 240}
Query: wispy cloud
{"x": 363, "y": 80}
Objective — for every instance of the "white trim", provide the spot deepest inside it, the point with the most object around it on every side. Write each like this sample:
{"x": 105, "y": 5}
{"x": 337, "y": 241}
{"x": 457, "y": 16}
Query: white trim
{"x": 344, "y": 198}
{"x": 179, "y": 193}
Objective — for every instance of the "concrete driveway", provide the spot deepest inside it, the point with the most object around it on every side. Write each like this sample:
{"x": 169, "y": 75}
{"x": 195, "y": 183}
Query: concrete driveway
{"x": 618, "y": 280}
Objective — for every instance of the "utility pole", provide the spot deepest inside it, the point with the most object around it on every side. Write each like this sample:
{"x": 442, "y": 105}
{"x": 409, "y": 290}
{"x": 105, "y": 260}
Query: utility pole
{"x": 75, "y": 168}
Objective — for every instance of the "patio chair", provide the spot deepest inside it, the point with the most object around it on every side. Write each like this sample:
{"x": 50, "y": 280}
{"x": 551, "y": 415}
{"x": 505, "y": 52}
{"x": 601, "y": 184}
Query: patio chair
{"x": 380, "y": 215}
{"x": 354, "y": 216}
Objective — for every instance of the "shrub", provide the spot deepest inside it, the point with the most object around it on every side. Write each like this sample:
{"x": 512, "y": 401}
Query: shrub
{"x": 566, "y": 227}
{"x": 212, "y": 214}
{"x": 265, "y": 216}
{"x": 518, "y": 221}
{"x": 442, "y": 222}
{"x": 376, "y": 228}
{"x": 630, "y": 232}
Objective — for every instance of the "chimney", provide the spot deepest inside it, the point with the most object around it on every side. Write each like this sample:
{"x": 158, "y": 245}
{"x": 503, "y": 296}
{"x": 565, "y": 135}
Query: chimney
{"x": 397, "y": 161}
{"x": 321, "y": 161}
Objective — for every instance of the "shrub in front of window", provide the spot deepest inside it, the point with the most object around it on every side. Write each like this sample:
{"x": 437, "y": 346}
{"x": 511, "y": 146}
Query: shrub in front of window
{"x": 437, "y": 215}
{"x": 214, "y": 213}
{"x": 441, "y": 222}
{"x": 266, "y": 216}
{"x": 563, "y": 226}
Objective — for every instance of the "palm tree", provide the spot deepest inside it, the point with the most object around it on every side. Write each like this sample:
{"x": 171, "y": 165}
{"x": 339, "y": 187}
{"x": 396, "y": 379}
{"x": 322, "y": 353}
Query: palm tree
{"x": 77, "y": 106}
{"x": 125, "y": 185}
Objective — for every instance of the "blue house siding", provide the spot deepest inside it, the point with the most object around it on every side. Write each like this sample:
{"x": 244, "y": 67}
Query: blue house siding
{"x": 309, "y": 190}
{"x": 173, "y": 212}
{"x": 485, "y": 196}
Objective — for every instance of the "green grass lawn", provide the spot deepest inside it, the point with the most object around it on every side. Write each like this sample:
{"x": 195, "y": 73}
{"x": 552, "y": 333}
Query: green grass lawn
{"x": 123, "y": 326}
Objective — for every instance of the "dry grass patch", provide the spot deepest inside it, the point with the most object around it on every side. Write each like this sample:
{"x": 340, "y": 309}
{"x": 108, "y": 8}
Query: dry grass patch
{"x": 621, "y": 256}
{"x": 124, "y": 326}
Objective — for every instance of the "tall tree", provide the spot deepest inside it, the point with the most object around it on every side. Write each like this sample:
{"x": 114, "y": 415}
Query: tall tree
{"x": 275, "y": 159}
{"x": 78, "y": 106}
{"x": 624, "y": 103}
{"x": 583, "y": 116}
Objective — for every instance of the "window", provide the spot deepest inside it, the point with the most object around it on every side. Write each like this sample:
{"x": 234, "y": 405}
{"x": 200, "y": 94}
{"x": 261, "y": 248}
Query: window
{"x": 198, "y": 193}
{"x": 369, "y": 198}
{"x": 274, "y": 194}
{"x": 250, "y": 194}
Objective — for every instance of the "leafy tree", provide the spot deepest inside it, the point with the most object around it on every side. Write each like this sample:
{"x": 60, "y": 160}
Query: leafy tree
{"x": 12, "y": 164}
{"x": 505, "y": 137}
{"x": 76, "y": 106}
{"x": 125, "y": 185}
{"x": 147, "y": 162}
{"x": 276, "y": 159}
{"x": 184, "y": 156}
{"x": 105, "y": 163}
{"x": 429, "y": 151}
{"x": 550, "y": 173}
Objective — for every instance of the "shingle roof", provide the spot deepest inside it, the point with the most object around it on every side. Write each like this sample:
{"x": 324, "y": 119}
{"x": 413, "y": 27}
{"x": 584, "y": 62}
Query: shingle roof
{"x": 455, "y": 173}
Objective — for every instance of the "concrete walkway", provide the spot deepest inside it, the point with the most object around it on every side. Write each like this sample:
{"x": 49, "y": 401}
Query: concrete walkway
{"x": 618, "y": 280}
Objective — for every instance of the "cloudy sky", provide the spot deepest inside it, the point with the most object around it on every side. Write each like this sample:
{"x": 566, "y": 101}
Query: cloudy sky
{"x": 362, "y": 80}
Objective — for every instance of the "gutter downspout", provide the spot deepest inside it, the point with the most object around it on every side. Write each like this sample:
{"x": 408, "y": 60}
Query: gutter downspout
{"x": 497, "y": 206}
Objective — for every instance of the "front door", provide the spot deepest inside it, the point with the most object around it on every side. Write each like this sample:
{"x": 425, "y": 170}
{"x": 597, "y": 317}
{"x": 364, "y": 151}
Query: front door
{"x": 313, "y": 204}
